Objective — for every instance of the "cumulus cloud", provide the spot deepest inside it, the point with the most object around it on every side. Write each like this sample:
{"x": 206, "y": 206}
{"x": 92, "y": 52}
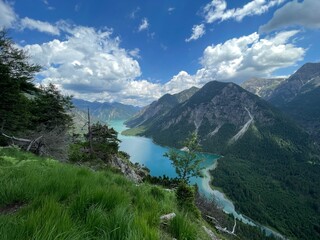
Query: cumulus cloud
{"x": 217, "y": 10}
{"x": 295, "y": 13}
{"x": 240, "y": 58}
{"x": 39, "y": 25}
{"x": 7, "y": 15}
{"x": 144, "y": 25}
{"x": 91, "y": 64}
{"x": 197, "y": 32}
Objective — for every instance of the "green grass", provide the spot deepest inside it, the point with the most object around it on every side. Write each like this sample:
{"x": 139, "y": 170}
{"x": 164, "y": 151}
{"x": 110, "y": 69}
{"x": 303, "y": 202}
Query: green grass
{"x": 133, "y": 131}
{"x": 62, "y": 201}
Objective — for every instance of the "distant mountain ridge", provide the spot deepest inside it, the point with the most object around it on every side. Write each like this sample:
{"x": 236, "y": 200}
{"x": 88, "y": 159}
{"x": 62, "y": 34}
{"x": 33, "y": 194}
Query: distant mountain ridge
{"x": 106, "y": 111}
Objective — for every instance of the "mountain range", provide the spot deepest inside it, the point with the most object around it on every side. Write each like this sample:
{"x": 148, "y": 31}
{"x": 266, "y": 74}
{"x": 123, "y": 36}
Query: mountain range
{"x": 104, "y": 111}
{"x": 298, "y": 96}
{"x": 269, "y": 166}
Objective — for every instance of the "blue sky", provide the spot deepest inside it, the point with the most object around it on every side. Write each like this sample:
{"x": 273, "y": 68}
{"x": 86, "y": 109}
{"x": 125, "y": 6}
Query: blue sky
{"x": 134, "y": 51}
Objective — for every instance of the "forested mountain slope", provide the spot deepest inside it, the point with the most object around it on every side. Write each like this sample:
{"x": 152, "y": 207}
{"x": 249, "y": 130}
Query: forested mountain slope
{"x": 269, "y": 167}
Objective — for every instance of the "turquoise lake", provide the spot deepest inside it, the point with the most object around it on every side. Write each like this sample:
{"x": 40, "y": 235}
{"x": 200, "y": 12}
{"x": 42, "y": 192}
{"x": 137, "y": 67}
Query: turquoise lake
{"x": 144, "y": 151}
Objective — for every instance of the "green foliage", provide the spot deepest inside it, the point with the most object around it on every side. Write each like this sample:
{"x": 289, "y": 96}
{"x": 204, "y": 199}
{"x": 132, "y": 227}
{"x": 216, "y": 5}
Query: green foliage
{"x": 186, "y": 199}
{"x": 16, "y": 76}
{"x": 100, "y": 145}
{"x": 164, "y": 181}
{"x": 27, "y": 111}
{"x": 187, "y": 164}
{"x": 51, "y": 109}
{"x": 182, "y": 229}
{"x": 61, "y": 201}
{"x": 104, "y": 139}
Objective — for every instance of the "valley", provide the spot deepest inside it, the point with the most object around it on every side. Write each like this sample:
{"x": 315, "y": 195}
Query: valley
{"x": 160, "y": 120}
{"x": 144, "y": 151}
{"x": 270, "y": 167}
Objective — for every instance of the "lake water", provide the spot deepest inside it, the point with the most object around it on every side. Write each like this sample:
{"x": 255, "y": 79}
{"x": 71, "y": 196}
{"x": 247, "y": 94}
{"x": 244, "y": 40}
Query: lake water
{"x": 144, "y": 151}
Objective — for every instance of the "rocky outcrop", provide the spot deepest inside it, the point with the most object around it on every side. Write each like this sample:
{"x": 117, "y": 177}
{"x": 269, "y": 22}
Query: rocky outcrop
{"x": 131, "y": 171}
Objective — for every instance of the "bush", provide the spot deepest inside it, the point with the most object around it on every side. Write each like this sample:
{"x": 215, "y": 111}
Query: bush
{"x": 186, "y": 199}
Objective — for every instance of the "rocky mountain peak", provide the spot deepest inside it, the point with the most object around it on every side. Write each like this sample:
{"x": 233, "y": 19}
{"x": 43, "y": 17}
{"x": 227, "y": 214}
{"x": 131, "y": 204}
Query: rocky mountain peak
{"x": 304, "y": 79}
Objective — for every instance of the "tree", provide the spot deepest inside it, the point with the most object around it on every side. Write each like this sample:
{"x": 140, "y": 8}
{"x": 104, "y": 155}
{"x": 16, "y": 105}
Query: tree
{"x": 51, "y": 109}
{"x": 187, "y": 163}
{"x": 16, "y": 75}
{"x": 104, "y": 143}
{"x": 104, "y": 138}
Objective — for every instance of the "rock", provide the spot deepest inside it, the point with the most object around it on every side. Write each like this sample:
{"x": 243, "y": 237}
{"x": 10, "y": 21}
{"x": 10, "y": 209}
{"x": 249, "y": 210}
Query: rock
{"x": 168, "y": 217}
{"x": 126, "y": 169}
{"x": 210, "y": 233}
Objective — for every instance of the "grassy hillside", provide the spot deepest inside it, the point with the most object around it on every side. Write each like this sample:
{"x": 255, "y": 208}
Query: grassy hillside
{"x": 45, "y": 199}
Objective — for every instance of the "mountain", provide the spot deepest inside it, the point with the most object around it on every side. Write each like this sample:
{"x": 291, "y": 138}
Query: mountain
{"x": 159, "y": 108}
{"x": 269, "y": 168}
{"x": 106, "y": 111}
{"x": 262, "y": 87}
{"x": 219, "y": 112}
{"x": 302, "y": 81}
{"x": 299, "y": 97}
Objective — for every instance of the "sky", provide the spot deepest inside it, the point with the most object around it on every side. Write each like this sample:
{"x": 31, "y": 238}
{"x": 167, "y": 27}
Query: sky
{"x": 135, "y": 51}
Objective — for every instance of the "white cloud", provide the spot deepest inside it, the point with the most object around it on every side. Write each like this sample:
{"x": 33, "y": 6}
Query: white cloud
{"x": 295, "y": 13}
{"x": 92, "y": 65}
{"x": 179, "y": 82}
{"x": 197, "y": 32}
{"x": 7, "y": 15}
{"x": 39, "y": 25}
{"x": 144, "y": 25}
{"x": 217, "y": 10}
{"x": 240, "y": 58}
